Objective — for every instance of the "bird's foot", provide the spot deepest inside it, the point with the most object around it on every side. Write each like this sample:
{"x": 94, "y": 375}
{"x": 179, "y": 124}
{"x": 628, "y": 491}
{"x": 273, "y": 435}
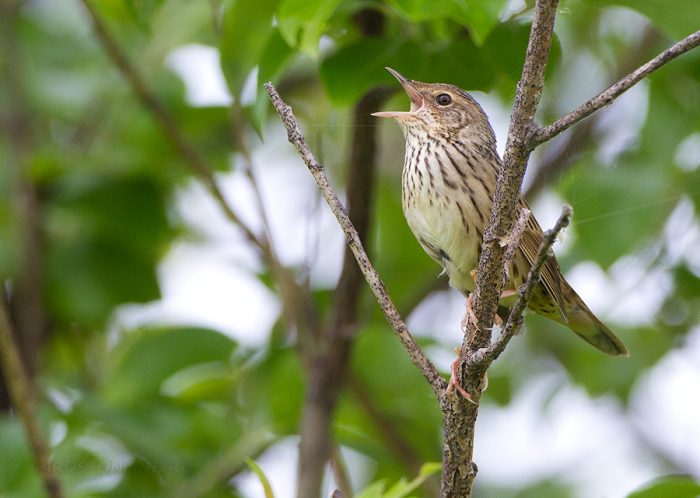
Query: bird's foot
{"x": 454, "y": 385}
{"x": 469, "y": 315}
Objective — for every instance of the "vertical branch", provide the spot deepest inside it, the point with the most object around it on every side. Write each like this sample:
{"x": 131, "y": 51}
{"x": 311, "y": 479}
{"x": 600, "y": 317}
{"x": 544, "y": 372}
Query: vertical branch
{"x": 328, "y": 367}
{"x": 294, "y": 135}
{"x": 517, "y": 152}
{"x": 459, "y": 470}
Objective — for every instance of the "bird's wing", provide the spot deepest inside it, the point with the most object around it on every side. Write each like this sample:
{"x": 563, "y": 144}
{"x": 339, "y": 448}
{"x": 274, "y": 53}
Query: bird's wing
{"x": 551, "y": 274}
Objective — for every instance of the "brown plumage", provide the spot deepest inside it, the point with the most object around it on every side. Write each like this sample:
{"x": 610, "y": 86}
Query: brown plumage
{"x": 448, "y": 181}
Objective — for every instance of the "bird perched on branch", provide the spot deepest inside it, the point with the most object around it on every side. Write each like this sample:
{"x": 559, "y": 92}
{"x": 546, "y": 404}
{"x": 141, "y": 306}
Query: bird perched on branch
{"x": 448, "y": 182}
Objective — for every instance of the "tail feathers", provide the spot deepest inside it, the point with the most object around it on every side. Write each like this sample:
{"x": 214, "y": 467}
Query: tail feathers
{"x": 584, "y": 323}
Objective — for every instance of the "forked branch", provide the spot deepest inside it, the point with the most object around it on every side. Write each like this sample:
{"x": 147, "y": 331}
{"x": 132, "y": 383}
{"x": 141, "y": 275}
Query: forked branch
{"x": 608, "y": 96}
{"x": 352, "y": 239}
{"x": 515, "y": 319}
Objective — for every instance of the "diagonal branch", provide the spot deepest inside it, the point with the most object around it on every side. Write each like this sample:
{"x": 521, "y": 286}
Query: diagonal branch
{"x": 515, "y": 319}
{"x": 353, "y": 241}
{"x": 194, "y": 160}
{"x": 295, "y": 303}
{"x": 562, "y": 156}
{"x": 23, "y": 398}
{"x": 605, "y": 98}
{"x": 330, "y": 354}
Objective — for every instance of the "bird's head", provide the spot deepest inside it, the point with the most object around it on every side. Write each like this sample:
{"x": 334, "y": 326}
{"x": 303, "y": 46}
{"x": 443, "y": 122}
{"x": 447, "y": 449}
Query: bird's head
{"x": 438, "y": 108}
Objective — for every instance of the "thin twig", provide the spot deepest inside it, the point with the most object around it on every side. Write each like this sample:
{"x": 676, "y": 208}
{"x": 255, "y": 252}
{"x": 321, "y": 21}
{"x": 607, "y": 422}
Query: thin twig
{"x": 605, "y": 98}
{"x": 23, "y": 398}
{"x": 177, "y": 139}
{"x": 515, "y": 319}
{"x": 375, "y": 283}
{"x": 562, "y": 156}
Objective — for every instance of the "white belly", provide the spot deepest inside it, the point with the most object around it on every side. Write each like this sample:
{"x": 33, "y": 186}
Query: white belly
{"x": 442, "y": 234}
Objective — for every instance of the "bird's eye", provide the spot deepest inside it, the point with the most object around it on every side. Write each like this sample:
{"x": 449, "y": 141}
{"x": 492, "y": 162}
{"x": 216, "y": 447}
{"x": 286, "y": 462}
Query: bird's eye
{"x": 443, "y": 99}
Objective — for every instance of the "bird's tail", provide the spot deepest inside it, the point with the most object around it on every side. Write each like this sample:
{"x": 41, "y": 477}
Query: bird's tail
{"x": 586, "y": 325}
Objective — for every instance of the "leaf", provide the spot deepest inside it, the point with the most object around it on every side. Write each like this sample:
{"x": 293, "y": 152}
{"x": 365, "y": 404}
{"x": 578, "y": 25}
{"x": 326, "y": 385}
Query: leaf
{"x": 473, "y": 72}
{"x": 275, "y": 57}
{"x": 402, "y": 489}
{"x": 670, "y": 487}
{"x": 255, "y": 468}
{"x": 302, "y": 22}
{"x": 356, "y": 68}
{"x": 677, "y": 22}
{"x": 374, "y": 490}
{"x": 148, "y": 357}
{"x": 245, "y": 29}
{"x": 359, "y": 66}
{"x": 142, "y": 10}
{"x": 505, "y": 47}
{"x": 480, "y": 16}
{"x": 616, "y": 209}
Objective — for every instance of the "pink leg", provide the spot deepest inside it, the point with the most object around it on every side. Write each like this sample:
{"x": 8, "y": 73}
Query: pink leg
{"x": 454, "y": 384}
{"x": 469, "y": 316}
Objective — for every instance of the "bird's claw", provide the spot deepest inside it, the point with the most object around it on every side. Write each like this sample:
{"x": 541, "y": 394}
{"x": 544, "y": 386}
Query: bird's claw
{"x": 454, "y": 385}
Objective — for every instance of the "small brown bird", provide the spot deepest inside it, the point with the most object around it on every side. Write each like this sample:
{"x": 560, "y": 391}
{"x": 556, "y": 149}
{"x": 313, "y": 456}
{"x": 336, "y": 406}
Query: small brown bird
{"x": 448, "y": 181}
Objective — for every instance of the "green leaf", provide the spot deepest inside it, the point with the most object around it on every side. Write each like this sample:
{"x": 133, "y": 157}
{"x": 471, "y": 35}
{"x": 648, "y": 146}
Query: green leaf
{"x": 245, "y": 29}
{"x": 87, "y": 279}
{"x": 473, "y": 71}
{"x": 106, "y": 236}
{"x": 302, "y": 22}
{"x": 401, "y": 488}
{"x": 677, "y": 22}
{"x": 275, "y": 57}
{"x": 355, "y": 68}
{"x": 374, "y": 490}
{"x": 142, "y": 10}
{"x": 506, "y": 46}
{"x": 480, "y": 16}
{"x": 670, "y": 487}
{"x": 149, "y": 357}
{"x": 255, "y": 468}
{"x": 616, "y": 209}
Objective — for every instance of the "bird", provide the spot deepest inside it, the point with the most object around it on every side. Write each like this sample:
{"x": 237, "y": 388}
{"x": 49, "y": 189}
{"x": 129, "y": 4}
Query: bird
{"x": 448, "y": 181}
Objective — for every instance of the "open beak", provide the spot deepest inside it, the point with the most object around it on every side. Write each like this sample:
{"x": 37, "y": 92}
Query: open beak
{"x": 413, "y": 94}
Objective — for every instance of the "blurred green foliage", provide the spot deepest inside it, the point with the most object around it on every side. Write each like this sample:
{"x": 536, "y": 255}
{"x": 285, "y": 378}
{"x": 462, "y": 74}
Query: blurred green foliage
{"x": 176, "y": 410}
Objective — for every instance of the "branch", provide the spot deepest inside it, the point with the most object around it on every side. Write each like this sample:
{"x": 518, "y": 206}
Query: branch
{"x": 562, "y": 156}
{"x": 352, "y": 239}
{"x": 491, "y": 263}
{"x": 23, "y": 398}
{"x": 605, "y": 98}
{"x": 459, "y": 470}
{"x": 331, "y": 352}
{"x": 515, "y": 319}
{"x": 18, "y": 126}
{"x": 391, "y": 437}
{"x": 194, "y": 160}
{"x": 295, "y": 303}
